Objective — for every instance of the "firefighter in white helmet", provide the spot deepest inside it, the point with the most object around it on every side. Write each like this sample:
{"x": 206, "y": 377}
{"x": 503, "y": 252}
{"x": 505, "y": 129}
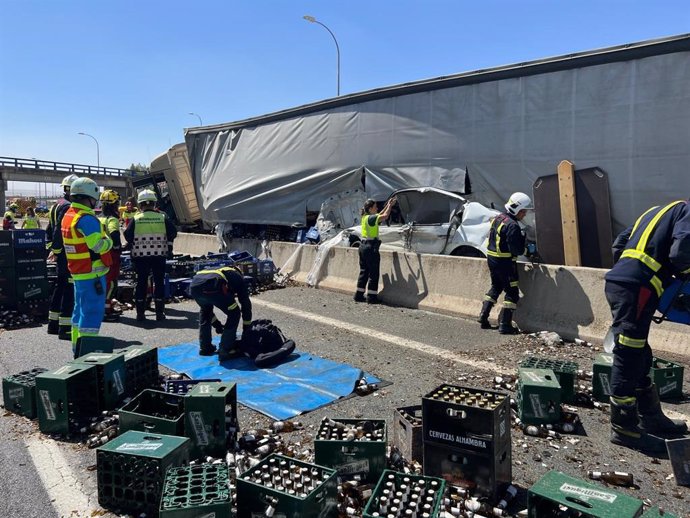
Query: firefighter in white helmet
{"x": 506, "y": 242}
{"x": 62, "y": 301}
{"x": 149, "y": 235}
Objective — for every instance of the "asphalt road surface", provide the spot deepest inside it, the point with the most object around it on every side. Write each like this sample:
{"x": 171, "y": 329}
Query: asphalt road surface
{"x": 415, "y": 350}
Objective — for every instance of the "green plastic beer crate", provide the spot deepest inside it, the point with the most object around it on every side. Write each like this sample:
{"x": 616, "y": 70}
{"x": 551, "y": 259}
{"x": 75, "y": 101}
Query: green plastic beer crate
{"x": 556, "y": 490}
{"x": 211, "y": 418}
{"x": 432, "y": 487}
{"x": 197, "y": 492}
{"x": 312, "y": 501}
{"x": 131, "y": 470}
{"x": 110, "y": 368}
{"x": 141, "y": 363}
{"x": 66, "y": 398}
{"x": 565, "y": 371}
{"x": 19, "y": 392}
{"x": 538, "y": 396}
{"x": 668, "y": 377}
{"x": 154, "y": 411}
{"x": 94, "y": 344}
{"x": 354, "y": 457}
{"x": 601, "y": 377}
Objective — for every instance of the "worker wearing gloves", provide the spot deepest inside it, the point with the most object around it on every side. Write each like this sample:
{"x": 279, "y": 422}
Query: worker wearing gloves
{"x": 369, "y": 257}
{"x": 149, "y": 235}
{"x": 8, "y": 220}
{"x": 62, "y": 300}
{"x": 506, "y": 242}
{"x": 30, "y": 220}
{"x": 110, "y": 203}
{"x": 219, "y": 288}
{"x": 648, "y": 255}
{"x": 87, "y": 247}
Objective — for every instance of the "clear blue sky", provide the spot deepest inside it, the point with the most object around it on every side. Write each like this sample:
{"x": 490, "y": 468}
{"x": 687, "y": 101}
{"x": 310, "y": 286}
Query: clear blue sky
{"x": 128, "y": 72}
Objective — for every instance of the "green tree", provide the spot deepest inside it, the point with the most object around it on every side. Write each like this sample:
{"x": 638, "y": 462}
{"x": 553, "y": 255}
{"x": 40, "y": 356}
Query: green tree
{"x": 138, "y": 169}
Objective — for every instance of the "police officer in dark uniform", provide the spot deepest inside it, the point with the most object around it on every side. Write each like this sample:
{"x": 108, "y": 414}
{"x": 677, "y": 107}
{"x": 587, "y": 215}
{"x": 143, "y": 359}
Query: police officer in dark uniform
{"x": 219, "y": 288}
{"x": 506, "y": 242}
{"x": 62, "y": 301}
{"x": 648, "y": 255}
{"x": 369, "y": 257}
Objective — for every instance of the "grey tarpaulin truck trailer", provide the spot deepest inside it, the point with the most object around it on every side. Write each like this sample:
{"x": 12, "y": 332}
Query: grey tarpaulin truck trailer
{"x": 623, "y": 109}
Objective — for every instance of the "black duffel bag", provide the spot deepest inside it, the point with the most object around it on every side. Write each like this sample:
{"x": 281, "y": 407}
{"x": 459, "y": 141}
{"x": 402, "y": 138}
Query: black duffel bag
{"x": 265, "y": 343}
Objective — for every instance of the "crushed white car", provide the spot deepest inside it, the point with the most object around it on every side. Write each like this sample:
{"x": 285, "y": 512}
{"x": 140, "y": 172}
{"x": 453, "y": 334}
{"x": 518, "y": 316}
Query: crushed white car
{"x": 429, "y": 220}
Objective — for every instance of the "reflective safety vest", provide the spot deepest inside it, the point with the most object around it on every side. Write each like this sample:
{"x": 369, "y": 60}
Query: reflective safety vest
{"x": 370, "y": 231}
{"x": 8, "y": 220}
{"x": 639, "y": 246}
{"x": 82, "y": 262}
{"x": 494, "y": 246}
{"x": 150, "y": 237}
{"x": 30, "y": 222}
{"x": 221, "y": 272}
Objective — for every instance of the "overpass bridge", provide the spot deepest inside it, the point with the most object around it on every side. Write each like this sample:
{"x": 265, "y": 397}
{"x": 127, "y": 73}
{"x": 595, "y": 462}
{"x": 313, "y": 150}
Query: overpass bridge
{"x": 32, "y": 170}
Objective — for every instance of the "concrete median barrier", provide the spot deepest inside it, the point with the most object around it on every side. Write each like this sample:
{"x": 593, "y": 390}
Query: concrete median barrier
{"x": 567, "y": 300}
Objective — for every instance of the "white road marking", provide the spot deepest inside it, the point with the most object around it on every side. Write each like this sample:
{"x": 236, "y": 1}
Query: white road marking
{"x": 407, "y": 343}
{"x": 400, "y": 341}
{"x": 63, "y": 486}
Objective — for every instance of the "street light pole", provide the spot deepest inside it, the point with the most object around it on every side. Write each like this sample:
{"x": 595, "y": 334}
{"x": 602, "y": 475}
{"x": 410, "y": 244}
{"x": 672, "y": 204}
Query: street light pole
{"x": 201, "y": 123}
{"x": 98, "y": 149}
{"x": 311, "y": 19}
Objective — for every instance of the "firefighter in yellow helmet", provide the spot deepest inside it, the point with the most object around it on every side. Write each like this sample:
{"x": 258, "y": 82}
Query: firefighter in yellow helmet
{"x": 110, "y": 218}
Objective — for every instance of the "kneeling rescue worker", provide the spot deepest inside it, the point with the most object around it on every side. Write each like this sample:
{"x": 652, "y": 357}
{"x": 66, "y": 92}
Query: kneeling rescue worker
{"x": 506, "y": 242}
{"x": 648, "y": 255}
{"x": 87, "y": 247}
{"x": 218, "y": 288}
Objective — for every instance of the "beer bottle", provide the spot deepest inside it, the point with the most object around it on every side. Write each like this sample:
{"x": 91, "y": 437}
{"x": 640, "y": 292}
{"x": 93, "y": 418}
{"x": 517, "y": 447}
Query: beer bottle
{"x": 617, "y": 478}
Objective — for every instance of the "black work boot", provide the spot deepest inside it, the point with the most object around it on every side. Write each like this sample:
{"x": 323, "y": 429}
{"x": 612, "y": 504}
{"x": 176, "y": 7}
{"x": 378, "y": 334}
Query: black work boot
{"x": 226, "y": 352}
{"x": 626, "y": 432}
{"x": 373, "y": 299}
{"x": 505, "y": 325}
{"x": 140, "y": 306}
{"x": 652, "y": 418}
{"x": 160, "y": 309}
{"x": 359, "y": 297}
{"x": 65, "y": 332}
{"x": 484, "y": 314}
{"x": 53, "y": 327}
{"x": 207, "y": 350}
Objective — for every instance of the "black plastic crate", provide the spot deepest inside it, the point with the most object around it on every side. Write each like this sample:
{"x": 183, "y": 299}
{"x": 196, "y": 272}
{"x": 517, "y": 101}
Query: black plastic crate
{"x": 141, "y": 364}
{"x": 467, "y": 417}
{"x": 175, "y": 386}
{"x": 485, "y": 474}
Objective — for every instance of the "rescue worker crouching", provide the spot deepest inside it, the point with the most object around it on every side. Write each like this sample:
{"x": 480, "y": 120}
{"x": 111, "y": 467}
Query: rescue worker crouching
{"x": 223, "y": 288}
{"x": 62, "y": 300}
{"x": 87, "y": 248}
{"x": 648, "y": 255}
{"x": 369, "y": 256}
{"x": 110, "y": 201}
{"x": 506, "y": 242}
{"x": 149, "y": 235}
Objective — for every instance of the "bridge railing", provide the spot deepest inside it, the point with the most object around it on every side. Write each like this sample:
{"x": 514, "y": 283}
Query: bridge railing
{"x": 30, "y": 164}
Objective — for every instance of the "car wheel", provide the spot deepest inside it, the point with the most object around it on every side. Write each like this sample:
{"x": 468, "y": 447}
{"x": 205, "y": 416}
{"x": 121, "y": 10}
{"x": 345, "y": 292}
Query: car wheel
{"x": 467, "y": 251}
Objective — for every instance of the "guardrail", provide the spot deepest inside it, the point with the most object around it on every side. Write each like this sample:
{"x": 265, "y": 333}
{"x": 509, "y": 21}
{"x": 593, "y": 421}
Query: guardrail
{"x": 31, "y": 164}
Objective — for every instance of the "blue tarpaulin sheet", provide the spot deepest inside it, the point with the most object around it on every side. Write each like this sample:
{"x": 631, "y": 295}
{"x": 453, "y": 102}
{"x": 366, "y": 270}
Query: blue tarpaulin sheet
{"x": 302, "y": 383}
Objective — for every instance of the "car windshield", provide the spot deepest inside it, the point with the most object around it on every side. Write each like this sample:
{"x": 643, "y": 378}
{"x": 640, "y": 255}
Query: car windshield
{"x": 425, "y": 208}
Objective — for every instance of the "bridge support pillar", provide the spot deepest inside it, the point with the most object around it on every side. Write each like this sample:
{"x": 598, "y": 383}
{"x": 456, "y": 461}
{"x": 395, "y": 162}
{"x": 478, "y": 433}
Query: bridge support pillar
{"x": 2, "y": 195}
